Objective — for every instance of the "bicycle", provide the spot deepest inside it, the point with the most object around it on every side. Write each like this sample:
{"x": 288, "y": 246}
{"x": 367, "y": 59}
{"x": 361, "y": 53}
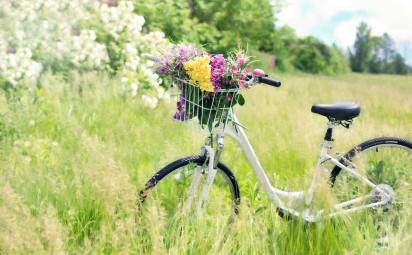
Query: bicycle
{"x": 373, "y": 175}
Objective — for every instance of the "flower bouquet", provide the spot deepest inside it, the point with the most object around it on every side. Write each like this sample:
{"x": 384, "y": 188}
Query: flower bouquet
{"x": 209, "y": 85}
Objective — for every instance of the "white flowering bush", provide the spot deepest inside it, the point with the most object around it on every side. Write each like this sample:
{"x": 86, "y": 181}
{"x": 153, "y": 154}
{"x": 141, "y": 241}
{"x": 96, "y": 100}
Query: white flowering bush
{"x": 19, "y": 66}
{"x": 125, "y": 30}
{"x": 61, "y": 35}
{"x": 85, "y": 52}
{"x": 50, "y": 29}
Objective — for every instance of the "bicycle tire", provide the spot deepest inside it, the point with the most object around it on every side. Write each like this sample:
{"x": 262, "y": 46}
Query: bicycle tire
{"x": 386, "y": 162}
{"x": 367, "y": 145}
{"x": 198, "y": 160}
{"x": 351, "y": 155}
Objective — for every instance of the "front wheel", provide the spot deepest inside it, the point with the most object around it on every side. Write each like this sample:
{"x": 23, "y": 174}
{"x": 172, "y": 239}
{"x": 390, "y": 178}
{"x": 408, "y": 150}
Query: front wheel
{"x": 169, "y": 188}
{"x": 387, "y": 163}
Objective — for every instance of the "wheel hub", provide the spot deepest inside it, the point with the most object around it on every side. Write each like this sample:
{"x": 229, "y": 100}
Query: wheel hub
{"x": 378, "y": 196}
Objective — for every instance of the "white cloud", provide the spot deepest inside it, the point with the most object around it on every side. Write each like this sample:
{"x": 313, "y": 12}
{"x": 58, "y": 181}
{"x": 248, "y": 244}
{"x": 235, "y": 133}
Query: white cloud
{"x": 345, "y": 32}
{"x": 393, "y": 17}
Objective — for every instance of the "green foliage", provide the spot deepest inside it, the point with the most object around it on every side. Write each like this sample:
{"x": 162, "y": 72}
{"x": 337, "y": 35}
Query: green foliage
{"x": 383, "y": 52}
{"x": 307, "y": 56}
{"x": 220, "y": 26}
{"x": 173, "y": 18}
{"x": 249, "y": 22}
{"x": 217, "y": 25}
{"x": 339, "y": 62}
{"x": 313, "y": 56}
{"x": 283, "y": 39}
{"x": 72, "y": 167}
{"x": 362, "y": 49}
{"x": 398, "y": 64}
{"x": 376, "y": 54}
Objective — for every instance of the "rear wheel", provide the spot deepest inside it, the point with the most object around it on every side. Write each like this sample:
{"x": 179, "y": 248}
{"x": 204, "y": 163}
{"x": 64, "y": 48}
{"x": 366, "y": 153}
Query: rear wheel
{"x": 168, "y": 189}
{"x": 386, "y": 162}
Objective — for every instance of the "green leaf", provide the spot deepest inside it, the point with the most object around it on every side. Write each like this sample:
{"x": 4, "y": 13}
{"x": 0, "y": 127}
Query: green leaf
{"x": 240, "y": 99}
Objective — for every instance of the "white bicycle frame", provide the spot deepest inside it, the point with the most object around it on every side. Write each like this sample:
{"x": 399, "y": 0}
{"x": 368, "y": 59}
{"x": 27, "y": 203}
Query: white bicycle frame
{"x": 280, "y": 197}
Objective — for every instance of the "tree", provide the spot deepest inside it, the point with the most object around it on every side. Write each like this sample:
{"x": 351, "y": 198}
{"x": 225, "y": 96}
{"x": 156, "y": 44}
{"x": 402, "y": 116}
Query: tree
{"x": 219, "y": 26}
{"x": 283, "y": 40}
{"x": 376, "y": 54}
{"x": 307, "y": 57}
{"x": 249, "y": 22}
{"x": 399, "y": 66}
{"x": 313, "y": 56}
{"x": 338, "y": 62}
{"x": 173, "y": 17}
{"x": 362, "y": 49}
{"x": 383, "y": 54}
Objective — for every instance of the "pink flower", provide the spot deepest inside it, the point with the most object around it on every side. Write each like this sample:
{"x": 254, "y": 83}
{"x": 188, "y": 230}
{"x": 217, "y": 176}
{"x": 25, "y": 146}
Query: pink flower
{"x": 234, "y": 70}
{"x": 241, "y": 60}
{"x": 242, "y": 84}
{"x": 243, "y": 75}
{"x": 229, "y": 98}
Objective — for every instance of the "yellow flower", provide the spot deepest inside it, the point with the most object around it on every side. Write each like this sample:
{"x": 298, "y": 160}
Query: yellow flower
{"x": 198, "y": 70}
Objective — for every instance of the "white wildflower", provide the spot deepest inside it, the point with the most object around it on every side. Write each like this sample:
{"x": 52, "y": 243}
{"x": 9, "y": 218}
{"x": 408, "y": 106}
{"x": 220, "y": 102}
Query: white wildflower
{"x": 50, "y": 28}
{"x": 149, "y": 101}
{"x": 134, "y": 87}
{"x": 166, "y": 97}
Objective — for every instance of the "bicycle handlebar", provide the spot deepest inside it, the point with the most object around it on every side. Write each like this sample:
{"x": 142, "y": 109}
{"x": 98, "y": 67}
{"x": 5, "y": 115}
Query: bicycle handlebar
{"x": 269, "y": 81}
{"x": 265, "y": 80}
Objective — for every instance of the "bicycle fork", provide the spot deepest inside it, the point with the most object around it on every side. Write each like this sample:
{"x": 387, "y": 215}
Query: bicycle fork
{"x": 212, "y": 159}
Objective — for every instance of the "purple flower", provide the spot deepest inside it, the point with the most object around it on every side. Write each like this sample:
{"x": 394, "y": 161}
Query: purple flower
{"x": 162, "y": 66}
{"x": 171, "y": 61}
{"x": 185, "y": 53}
{"x": 180, "y": 114}
{"x": 217, "y": 63}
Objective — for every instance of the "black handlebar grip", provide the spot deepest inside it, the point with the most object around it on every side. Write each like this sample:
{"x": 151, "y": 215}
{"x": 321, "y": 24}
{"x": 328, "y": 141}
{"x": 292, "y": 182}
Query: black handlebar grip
{"x": 270, "y": 82}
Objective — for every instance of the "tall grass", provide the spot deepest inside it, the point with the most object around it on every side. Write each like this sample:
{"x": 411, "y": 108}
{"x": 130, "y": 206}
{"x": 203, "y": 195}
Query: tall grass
{"x": 73, "y": 159}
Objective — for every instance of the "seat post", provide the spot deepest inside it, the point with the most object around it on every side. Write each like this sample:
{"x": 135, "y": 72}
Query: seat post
{"x": 323, "y": 157}
{"x": 332, "y": 123}
{"x": 329, "y": 132}
{"x": 328, "y": 140}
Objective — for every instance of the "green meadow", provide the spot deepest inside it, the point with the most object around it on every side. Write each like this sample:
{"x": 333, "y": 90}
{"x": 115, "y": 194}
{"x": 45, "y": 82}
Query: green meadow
{"x": 74, "y": 156}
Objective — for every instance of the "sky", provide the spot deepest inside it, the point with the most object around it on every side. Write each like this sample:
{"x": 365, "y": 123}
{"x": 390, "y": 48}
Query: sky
{"x": 335, "y": 21}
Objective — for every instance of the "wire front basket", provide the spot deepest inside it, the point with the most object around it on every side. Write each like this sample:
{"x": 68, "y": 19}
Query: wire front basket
{"x": 212, "y": 109}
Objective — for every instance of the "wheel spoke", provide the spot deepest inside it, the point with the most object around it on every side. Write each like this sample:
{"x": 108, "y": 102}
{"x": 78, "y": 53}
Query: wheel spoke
{"x": 390, "y": 168}
{"x": 178, "y": 190}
